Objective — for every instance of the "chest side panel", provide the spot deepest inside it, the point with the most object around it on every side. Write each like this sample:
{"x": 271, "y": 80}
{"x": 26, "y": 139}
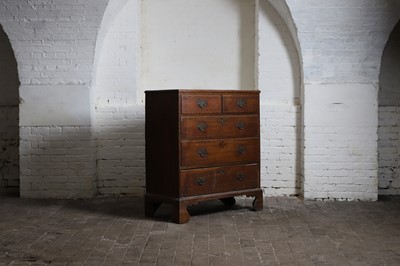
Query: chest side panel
{"x": 162, "y": 143}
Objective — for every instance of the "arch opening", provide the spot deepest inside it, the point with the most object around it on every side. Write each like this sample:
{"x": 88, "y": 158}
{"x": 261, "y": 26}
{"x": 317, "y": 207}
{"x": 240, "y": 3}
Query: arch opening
{"x": 118, "y": 117}
{"x": 9, "y": 118}
{"x": 389, "y": 117}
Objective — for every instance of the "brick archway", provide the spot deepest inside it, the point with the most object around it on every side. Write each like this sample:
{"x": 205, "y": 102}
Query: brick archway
{"x": 280, "y": 81}
{"x": 9, "y": 118}
{"x": 389, "y": 115}
{"x": 118, "y": 118}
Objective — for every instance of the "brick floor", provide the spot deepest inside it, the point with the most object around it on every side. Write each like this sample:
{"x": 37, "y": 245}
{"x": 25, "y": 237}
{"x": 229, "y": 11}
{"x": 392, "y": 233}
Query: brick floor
{"x": 113, "y": 231}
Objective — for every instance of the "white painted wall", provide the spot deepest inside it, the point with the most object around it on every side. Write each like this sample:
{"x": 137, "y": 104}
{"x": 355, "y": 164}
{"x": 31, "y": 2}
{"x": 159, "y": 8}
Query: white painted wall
{"x": 279, "y": 81}
{"x": 205, "y": 44}
{"x": 389, "y": 117}
{"x": 198, "y": 44}
{"x": 120, "y": 123}
{"x": 116, "y": 74}
{"x": 54, "y": 45}
{"x": 341, "y": 43}
{"x": 39, "y": 107}
{"x": 57, "y": 162}
{"x": 119, "y": 118}
{"x": 340, "y": 148}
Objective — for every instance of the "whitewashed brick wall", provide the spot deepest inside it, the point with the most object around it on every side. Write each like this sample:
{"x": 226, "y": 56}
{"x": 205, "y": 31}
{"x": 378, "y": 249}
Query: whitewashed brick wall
{"x": 279, "y": 82}
{"x": 389, "y": 150}
{"x": 389, "y": 117}
{"x": 9, "y": 150}
{"x": 340, "y": 146}
{"x": 119, "y": 117}
{"x": 116, "y": 78}
{"x": 57, "y": 161}
{"x": 54, "y": 45}
{"x": 120, "y": 150}
{"x": 342, "y": 41}
{"x": 54, "y": 40}
{"x": 341, "y": 44}
{"x": 280, "y": 150}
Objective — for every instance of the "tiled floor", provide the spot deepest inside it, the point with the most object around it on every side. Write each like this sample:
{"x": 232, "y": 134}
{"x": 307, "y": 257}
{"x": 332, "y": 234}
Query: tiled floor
{"x": 113, "y": 231}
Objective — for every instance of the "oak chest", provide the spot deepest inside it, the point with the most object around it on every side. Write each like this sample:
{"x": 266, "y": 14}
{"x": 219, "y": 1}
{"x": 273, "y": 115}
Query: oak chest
{"x": 201, "y": 145}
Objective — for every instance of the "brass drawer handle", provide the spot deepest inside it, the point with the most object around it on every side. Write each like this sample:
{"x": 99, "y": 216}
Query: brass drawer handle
{"x": 200, "y": 181}
{"x": 241, "y": 149}
{"x": 202, "y": 126}
{"x": 221, "y": 171}
{"x": 202, "y": 103}
{"x": 240, "y": 176}
{"x": 241, "y": 102}
{"x": 202, "y": 152}
{"x": 240, "y": 125}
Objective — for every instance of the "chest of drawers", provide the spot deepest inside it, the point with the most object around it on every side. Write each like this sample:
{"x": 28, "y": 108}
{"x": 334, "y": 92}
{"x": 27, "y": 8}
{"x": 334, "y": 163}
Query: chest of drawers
{"x": 201, "y": 145}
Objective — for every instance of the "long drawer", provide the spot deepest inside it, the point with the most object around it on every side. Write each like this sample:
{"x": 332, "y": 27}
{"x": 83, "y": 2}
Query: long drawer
{"x": 219, "y": 179}
{"x": 239, "y": 126}
{"x": 219, "y": 152}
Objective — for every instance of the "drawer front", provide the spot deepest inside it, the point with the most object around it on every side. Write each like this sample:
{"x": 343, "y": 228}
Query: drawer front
{"x": 201, "y": 104}
{"x": 219, "y": 179}
{"x": 219, "y": 152}
{"x": 240, "y": 104}
{"x": 220, "y": 127}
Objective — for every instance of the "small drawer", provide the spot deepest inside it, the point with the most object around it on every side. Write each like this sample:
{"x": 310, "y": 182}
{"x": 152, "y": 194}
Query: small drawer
{"x": 241, "y": 103}
{"x": 201, "y": 104}
{"x": 219, "y": 179}
{"x": 239, "y": 126}
{"x": 219, "y": 152}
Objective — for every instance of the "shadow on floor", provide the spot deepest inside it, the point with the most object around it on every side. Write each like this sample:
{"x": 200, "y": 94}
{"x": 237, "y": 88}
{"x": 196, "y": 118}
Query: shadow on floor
{"x": 392, "y": 198}
{"x": 133, "y": 207}
{"x": 123, "y": 207}
{"x": 202, "y": 208}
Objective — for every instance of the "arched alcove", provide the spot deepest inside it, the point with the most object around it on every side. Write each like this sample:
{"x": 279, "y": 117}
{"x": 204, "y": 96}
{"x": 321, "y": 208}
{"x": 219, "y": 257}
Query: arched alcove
{"x": 118, "y": 118}
{"x": 9, "y": 118}
{"x": 279, "y": 79}
{"x": 389, "y": 117}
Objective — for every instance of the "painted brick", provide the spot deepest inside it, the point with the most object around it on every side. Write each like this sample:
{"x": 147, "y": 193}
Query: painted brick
{"x": 58, "y": 159}
{"x": 279, "y": 82}
{"x": 324, "y": 143}
{"x": 9, "y": 150}
{"x": 332, "y": 32}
